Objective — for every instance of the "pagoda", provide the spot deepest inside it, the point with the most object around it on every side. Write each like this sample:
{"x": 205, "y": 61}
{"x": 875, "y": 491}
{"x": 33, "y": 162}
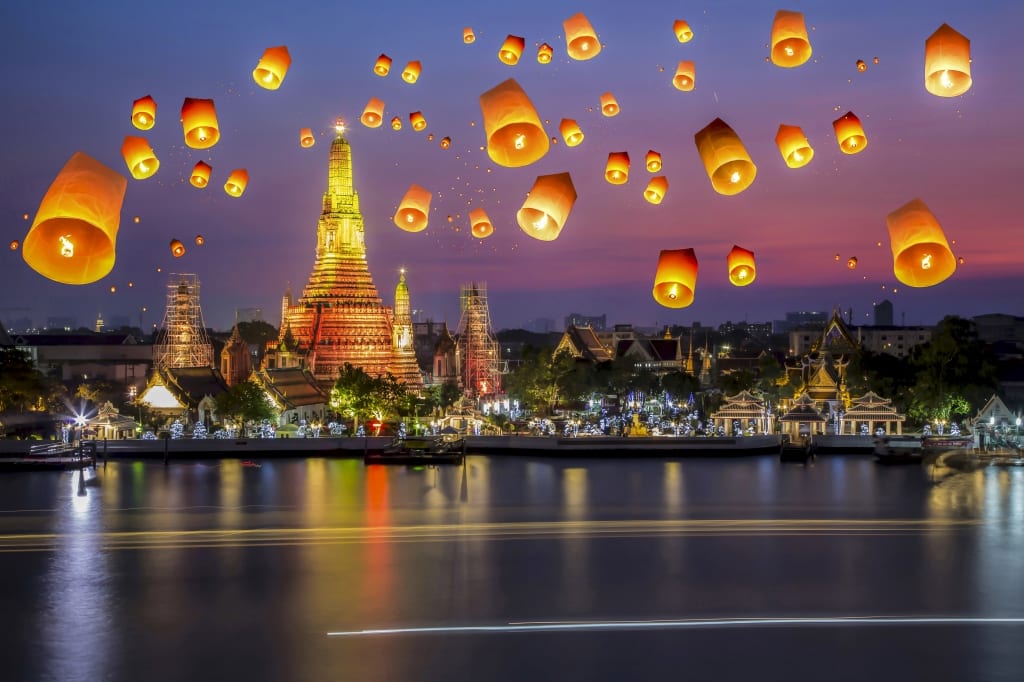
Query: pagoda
{"x": 403, "y": 363}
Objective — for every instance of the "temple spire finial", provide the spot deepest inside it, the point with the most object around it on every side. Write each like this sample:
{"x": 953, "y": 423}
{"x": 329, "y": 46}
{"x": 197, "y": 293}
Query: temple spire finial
{"x": 339, "y": 126}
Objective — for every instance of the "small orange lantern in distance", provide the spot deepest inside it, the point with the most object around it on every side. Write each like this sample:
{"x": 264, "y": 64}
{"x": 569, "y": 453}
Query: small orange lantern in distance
{"x": 609, "y": 105}
{"x": 656, "y": 189}
{"x": 237, "y": 182}
{"x": 14, "y": 245}
{"x": 139, "y": 157}
{"x": 790, "y": 45}
{"x": 382, "y": 66}
{"x": 411, "y": 72}
{"x": 616, "y": 170}
{"x": 414, "y": 211}
{"x": 177, "y": 248}
{"x": 199, "y": 123}
{"x": 547, "y": 207}
{"x": 571, "y": 132}
{"x": 851, "y": 262}
{"x": 862, "y": 65}
{"x": 200, "y": 174}
{"x": 742, "y": 269}
{"x": 947, "y": 63}
{"x": 515, "y": 134}
{"x": 417, "y": 121}
{"x": 468, "y": 36}
{"x": 580, "y": 39}
{"x": 144, "y": 113}
{"x": 544, "y": 53}
{"x": 920, "y": 252}
{"x": 793, "y": 145}
{"x": 725, "y": 158}
{"x": 652, "y": 161}
{"x": 684, "y": 33}
{"x": 850, "y": 133}
{"x": 396, "y": 123}
{"x": 373, "y": 113}
{"x": 511, "y": 50}
{"x": 200, "y": 240}
{"x": 676, "y": 278}
{"x": 686, "y": 76}
{"x": 480, "y": 224}
{"x": 446, "y": 142}
{"x": 306, "y": 138}
{"x": 272, "y": 67}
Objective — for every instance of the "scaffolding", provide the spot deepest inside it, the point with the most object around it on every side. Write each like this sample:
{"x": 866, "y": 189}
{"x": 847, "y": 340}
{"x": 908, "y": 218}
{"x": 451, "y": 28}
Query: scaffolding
{"x": 183, "y": 341}
{"x": 478, "y": 351}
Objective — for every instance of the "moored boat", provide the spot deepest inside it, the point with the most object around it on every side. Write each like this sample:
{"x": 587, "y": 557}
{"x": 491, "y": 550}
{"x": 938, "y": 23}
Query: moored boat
{"x": 443, "y": 449}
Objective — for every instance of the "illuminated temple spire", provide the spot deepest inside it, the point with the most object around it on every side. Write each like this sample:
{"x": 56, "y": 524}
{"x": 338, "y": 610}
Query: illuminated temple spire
{"x": 404, "y": 366}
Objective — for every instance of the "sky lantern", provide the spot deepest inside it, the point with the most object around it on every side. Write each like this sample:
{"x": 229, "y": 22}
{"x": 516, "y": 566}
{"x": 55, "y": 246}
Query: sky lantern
{"x": 468, "y": 36}
{"x": 139, "y": 156}
{"x": 382, "y": 66}
{"x": 544, "y": 53}
{"x": 511, "y": 50}
{"x": 144, "y": 113}
{"x": 547, "y": 206}
{"x": 373, "y": 113}
{"x": 616, "y": 170}
{"x": 177, "y": 248}
{"x": 200, "y": 174}
{"x": 609, "y": 105}
{"x": 725, "y": 158}
{"x": 199, "y": 123}
{"x": 73, "y": 235}
{"x": 580, "y": 39}
{"x": 656, "y": 189}
{"x": 272, "y": 67}
{"x": 14, "y": 245}
{"x": 515, "y": 135}
{"x": 920, "y": 252}
{"x": 793, "y": 145}
{"x": 862, "y": 66}
{"x": 653, "y": 161}
{"x": 396, "y": 123}
{"x": 851, "y": 262}
{"x": 684, "y": 33}
{"x": 676, "y": 278}
{"x": 742, "y": 269}
{"x": 417, "y": 121}
{"x": 571, "y": 132}
{"x": 411, "y": 72}
{"x": 136, "y": 219}
{"x": 414, "y": 210}
{"x": 947, "y": 63}
{"x": 236, "y": 182}
{"x": 306, "y": 138}
{"x": 686, "y": 76}
{"x": 446, "y": 142}
{"x": 850, "y": 133}
{"x": 200, "y": 240}
{"x": 480, "y": 224}
{"x": 790, "y": 45}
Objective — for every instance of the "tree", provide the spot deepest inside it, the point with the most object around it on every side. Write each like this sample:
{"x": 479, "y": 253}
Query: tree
{"x": 21, "y": 385}
{"x": 679, "y": 385}
{"x": 351, "y": 392}
{"x": 245, "y": 401}
{"x": 258, "y": 333}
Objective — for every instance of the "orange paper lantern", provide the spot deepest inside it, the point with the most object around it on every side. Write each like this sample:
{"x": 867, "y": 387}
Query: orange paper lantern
{"x": 656, "y": 189}
{"x": 742, "y": 269}
{"x": 850, "y": 133}
{"x": 446, "y": 142}
{"x": 139, "y": 157}
{"x": 515, "y": 135}
{"x": 862, "y": 65}
{"x": 790, "y": 45}
{"x": 411, "y": 72}
{"x": 725, "y": 158}
{"x": 468, "y": 36}
{"x": 571, "y": 132}
{"x": 544, "y": 53}
{"x": 511, "y": 50}
{"x": 237, "y": 182}
{"x": 200, "y": 240}
{"x": 74, "y": 232}
{"x": 382, "y": 66}
{"x": 682, "y": 30}
{"x": 851, "y": 262}
{"x": 686, "y": 76}
{"x": 14, "y": 245}
{"x": 144, "y": 113}
{"x": 414, "y": 211}
{"x": 199, "y": 123}
{"x": 306, "y": 138}
{"x": 921, "y": 255}
{"x": 793, "y": 145}
{"x": 609, "y": 105}
{"x": 200, "y": 174}
{"x": 580, "y": 39}
{"x": 396, "y": 123}
{"x": 272, "y": 67}
{"x": 480, "y": 224}
{"x": 616, "y": 170}
{"x": 373, "y": 113}
{"x": 417, "y": 121}
{"x": 947, "y": 63}
{"x": 547, "y": 206}
{"x": 177, "y": 248}
{"x": 676, "y": 278}
{"x": 652, "y": 161}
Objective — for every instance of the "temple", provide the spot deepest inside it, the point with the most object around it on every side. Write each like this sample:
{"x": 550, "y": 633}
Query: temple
{"x": 339, "y": 317}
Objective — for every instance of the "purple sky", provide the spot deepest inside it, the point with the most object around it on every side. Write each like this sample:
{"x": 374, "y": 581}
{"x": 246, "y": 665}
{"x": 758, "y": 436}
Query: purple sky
{"x": 73, "y": 70}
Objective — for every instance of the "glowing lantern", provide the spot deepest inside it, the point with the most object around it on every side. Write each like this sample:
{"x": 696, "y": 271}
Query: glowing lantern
{"x": 272, "y": 67}
{"x": 200, "y": 240}
{"x": 961, "y": 260}
{"x": 682, "y": 30}
{"x": 790, "y": 45}
{"x": 851, "y": 263}
{"x": 836, "y": 257}
{"x": 382, "y": 66}
{"x": 725, "y": 158}
{"x": 547, "y": 206}
{"x": 947, "y": 63}
{"x": 571, "y": 132}
{"x": 921, "y": 255}
{"x": 136, "y": 219}
{"x": 24, "y": 216}
{"x": 656, "y": 189}
{"x": 676, "y": 278}
{"x": 414, "y": 210}
{"x": 113, "y": 289}
{"x": 616, "y": 170}
{"x": 580, "y": 39}
{"x": 237, "y": 181}
{"x": 373, "y": 113}
{"x": 468, "y": 36}
{"x": 306, "y": 138}
{"x": 685, "y": 76}
{"x": 144, "y": 113}
{"x": 609, "y": 105}
{"x": 861, "y": 66}
{"x": 177, "y": 248}
{"x": 139, "y": 157}
{"x": 396, "y": 123}
{"x": 430, "y": 137}
{"x": 875, "y": 60}
{"x": 511, "y": 50}
{"x": 480, "y": 224}
{"x": 850, "y": 133}
{"x": 199, "y": 123}
{"x": 653, "y": 161}
{"x": 200, "y": 174}
{"x": 742, "y": 270}
{"x": 544, "y": 53}
{"x": 793, "y": 145}
{"x": 515, "y": 135}
{"x": 417, "y": 121}
{"x": 446, "y": 142}
{"x": 14, "y": 245}
{"x": 411, "y": 73}
{"x": 73, "y": 234}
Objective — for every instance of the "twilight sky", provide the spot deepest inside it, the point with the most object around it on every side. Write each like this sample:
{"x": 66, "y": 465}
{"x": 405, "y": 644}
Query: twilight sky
{"x": 74, "y": 68}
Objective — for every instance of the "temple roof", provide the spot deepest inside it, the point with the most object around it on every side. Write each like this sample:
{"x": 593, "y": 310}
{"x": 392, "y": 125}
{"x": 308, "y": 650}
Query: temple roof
{"x": 291, "y": 387}
{"x": 585, "y": 344}
{"x": 803, "y": 410}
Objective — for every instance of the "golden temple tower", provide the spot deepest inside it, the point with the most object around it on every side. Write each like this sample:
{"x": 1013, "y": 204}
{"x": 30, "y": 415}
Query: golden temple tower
{"x": 403, "y": 352}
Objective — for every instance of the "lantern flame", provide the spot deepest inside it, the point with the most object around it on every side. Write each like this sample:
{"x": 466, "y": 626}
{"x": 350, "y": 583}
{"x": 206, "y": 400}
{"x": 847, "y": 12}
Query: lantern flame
{"x": 926, "y": 261}
{"x": 67, "y": 247}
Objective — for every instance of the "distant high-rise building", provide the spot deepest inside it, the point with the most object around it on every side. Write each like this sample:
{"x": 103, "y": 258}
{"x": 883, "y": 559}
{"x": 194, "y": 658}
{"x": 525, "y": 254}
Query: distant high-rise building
{"x": 249, "y": 314}
{"x": 595, "y": 322}
{"x": 541, "y": 325}
{"x": 99, "y": 323}
{"x": 58, "y": 323}
{"x": 883, "y": 314}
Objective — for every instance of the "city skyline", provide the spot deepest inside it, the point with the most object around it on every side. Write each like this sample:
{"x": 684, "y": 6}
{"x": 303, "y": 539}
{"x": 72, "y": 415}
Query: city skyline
{"x": 75, "y": 93}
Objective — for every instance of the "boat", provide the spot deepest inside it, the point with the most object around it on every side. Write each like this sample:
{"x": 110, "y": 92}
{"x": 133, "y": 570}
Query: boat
{"x": 801, "y": 451}
{"x": 911, "y": 449}
{"x": 421, "y": 450}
